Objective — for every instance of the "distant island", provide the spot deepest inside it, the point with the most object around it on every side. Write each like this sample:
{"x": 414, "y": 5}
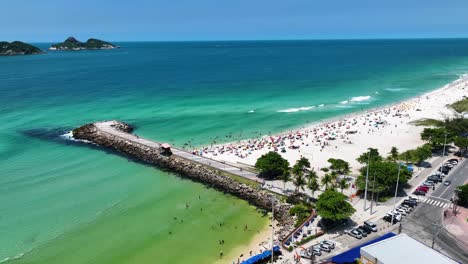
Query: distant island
{"x": 17, "y": 48}
{"x": 91, "y": 44}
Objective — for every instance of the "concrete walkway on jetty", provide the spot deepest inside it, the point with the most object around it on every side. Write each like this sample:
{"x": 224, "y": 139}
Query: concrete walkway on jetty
{"x": 106, "y": 127}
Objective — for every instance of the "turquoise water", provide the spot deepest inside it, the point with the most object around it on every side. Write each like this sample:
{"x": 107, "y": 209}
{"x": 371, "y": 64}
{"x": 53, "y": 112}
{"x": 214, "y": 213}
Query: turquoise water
{"x": 65, "y": 203}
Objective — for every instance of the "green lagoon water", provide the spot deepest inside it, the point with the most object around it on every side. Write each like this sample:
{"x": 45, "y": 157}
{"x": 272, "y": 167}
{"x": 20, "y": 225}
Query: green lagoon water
{"x": 62, "y": 202}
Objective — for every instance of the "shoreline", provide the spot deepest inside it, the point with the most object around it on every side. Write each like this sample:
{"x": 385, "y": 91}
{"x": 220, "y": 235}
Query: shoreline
{"x": 300, "y": 127}
{"x": 254, "y": 245}
{"x": 420, "y": 106}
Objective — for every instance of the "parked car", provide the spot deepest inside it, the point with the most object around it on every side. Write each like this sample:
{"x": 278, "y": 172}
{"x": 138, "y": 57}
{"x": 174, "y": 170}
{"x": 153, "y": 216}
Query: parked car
{"x": 410, "y": 203}
{"x": 419, "y": 192}
{"x": 423, "y": 188}
{"x": 395, "y": 216}
{"x": 354, "y": 233}
{"x": 449, "y": 165}
{"x": 329, "y": 243}
{"x": 406, "y": 209}
{"x": 414, "y": 198}
{"x": 406, "y": 206}
{"x": 447, "y": 182}
{"x": 325, "y": 247}
{"x": 388, "y": 218}
{"x": 428, "y": 183}
{"x": 434, "y": 179}
{"x": 371, "y": 225}
{"x": 368, "y": 229}
{"x": 315, "y": 251}
{"x": 399, "y": 211}
{"x": 362, "y": 231}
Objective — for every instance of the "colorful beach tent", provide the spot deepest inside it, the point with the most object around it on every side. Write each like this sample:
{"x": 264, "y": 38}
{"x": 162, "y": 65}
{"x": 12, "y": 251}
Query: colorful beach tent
{"x": 265, "y": 255}
{"x": 351, "y": 255}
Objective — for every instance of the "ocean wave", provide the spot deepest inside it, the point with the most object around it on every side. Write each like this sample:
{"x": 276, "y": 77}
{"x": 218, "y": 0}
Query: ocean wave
{"x": 251, "y": 111}
{"x": 344, "y": 102}
{"x": 69, "y": 136}
{"x": 292, "y": 110}
{"x": 395, "y": 89}
{"x": 321, "y": 105}
{"x": 360, "y": 98}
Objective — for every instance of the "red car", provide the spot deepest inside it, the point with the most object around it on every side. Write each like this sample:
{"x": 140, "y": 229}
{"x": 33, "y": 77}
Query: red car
{"x": 423, "y": 188}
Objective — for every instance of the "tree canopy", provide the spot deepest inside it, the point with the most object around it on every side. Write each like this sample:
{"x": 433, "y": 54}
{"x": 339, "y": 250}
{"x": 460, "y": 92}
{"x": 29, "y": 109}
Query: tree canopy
{"x": 435, "y": 136}
{"x": 386, "y": 174}
{"x": 374, "y": 156}
{"x": 332, "y": 205}
{"x": 271, "y": 165}
{"x": 339, "y": 165}
{"x": 463, "y": 195}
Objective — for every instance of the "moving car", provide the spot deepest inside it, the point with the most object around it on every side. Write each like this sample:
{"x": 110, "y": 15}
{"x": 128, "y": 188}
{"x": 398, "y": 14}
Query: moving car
{"x": 371, "y": 225}
{"x": 447, "y": 182}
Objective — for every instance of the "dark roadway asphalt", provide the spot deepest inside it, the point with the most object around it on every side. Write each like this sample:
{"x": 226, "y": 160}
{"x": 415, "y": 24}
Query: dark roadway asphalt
{"x": 419, "y": 224}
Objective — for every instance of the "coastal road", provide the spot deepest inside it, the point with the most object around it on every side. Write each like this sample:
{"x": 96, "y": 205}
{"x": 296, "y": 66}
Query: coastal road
{"x": 106, "y": 127}
{"x": 427, "y": 218}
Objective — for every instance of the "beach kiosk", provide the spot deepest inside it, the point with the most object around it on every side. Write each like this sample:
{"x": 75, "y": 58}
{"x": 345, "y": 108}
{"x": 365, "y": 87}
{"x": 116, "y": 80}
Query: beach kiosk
{"x": 166, "y": 149}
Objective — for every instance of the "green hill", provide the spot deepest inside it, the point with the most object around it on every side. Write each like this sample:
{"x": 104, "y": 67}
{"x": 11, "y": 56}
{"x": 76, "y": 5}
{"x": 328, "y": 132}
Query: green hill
{"x": 17, "y": 48}
{"x": 91, "y": 44}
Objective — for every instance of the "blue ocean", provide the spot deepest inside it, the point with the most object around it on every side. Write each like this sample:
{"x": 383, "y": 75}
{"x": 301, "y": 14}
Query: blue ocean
{"x": 62, "y": 202}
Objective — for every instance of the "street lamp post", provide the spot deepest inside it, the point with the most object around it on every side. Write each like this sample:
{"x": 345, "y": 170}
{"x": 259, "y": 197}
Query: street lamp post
{"x": 372, "y": 197}
{"x": 396, "y": 191}
{"x": 445, "y": 143}
{"x": 272, "y": 225}
{"x": 367, "y": 179}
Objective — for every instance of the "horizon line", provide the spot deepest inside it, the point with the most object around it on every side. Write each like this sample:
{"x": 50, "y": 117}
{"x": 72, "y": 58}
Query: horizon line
{"x": 285, "y": 39}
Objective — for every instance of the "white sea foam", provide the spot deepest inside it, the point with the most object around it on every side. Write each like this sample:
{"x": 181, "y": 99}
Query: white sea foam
{"x": 251, "y": 111}
{"x": 321, "y": 105}
{"x": 395, "y": 89}
{"x": 69, "y": 136}
{"x": 360, "y": 98}
{"x": 344, "y": 102}
{"x": 292, "y": 110}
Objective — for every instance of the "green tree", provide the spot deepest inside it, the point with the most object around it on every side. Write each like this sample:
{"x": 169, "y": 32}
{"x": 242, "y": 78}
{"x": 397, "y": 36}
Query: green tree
{"x": 386, "y": 175}
{"x": 407, "y": 156}
{"x": 343, "y": 184}
{"x": 327, "y": 180}
{"x": 420, "y": 154}
{"x": 271, "y": 165}
{"x": 435, "y": 136}
{"x": 374, "y": 156}
{"x": 312, "y": 175}
{"x": 304, "y": 163}
{"x": 299, "y": 181}
{"x": 313, "y": 185}
{"x": 393, "y": 154}
{"x": 333, "y": 206}
{"x": 463, "y": 195}
{"x": 340, "y": 166}
{"x": 285, "y": 177}
{"x": 462, "y": 143}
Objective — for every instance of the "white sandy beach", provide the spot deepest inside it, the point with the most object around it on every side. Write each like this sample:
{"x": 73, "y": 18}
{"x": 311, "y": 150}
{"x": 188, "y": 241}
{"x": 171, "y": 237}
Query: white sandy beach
{"x": 347, "y": 137}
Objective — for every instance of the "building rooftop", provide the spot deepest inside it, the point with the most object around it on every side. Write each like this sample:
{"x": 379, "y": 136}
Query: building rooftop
{"x": 402, "y": 248}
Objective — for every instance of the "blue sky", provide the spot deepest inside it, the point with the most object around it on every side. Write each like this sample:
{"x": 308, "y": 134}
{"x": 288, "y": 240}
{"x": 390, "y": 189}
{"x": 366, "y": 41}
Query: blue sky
{"x": 129, "y": 20}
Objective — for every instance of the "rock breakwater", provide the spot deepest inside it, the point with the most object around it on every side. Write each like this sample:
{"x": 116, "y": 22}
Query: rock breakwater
{"x": 185, "y": 168}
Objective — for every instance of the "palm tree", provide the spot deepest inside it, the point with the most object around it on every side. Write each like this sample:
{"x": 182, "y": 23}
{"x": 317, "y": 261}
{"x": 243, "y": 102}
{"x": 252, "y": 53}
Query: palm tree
{"x": 285, "y": 177}
{"x": 326, "y": 180}
{"x": 312, "y": 175}
{"x": 299, "y": 181}
{"x": 334, "y": 177}
{"x": 343, "y": 184}
{"x": 313, "y": 185}
{"x": 394, "y": 154}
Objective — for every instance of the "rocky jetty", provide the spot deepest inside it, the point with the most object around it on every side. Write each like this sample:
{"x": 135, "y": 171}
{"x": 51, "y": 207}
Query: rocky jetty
{"x": 17, "y": 48}
{"x": 188, "y": 169}
{"x": 72, "y": 43}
